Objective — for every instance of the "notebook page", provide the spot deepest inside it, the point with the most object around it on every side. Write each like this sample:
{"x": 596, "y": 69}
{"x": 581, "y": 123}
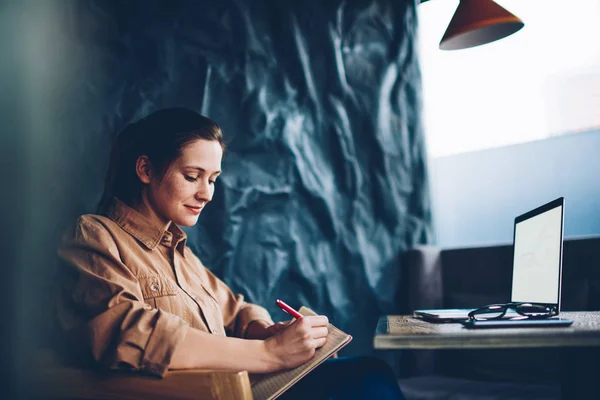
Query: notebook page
{"x": 270, "y": 386}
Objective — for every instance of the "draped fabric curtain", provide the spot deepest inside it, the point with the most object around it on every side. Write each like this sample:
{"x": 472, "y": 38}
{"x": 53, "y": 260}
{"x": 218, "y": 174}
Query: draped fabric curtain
{"x": 324, "y": 182}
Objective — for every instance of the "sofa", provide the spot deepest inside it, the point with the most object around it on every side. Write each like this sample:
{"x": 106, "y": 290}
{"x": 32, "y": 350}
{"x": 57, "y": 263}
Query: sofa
{"x": 471, "y": 277}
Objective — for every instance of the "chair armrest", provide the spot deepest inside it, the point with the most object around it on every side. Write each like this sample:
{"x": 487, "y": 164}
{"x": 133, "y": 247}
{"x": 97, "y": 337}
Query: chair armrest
{"x": 55, "y": 380}
{"x": 421, "y": 285}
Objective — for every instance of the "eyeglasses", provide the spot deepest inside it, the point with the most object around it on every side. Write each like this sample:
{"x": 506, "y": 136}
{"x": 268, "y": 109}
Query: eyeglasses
{"x": 525, "y": 311}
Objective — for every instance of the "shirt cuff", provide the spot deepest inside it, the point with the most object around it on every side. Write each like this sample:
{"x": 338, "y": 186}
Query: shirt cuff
{"x": 168, "y": 333}
{"x": 249, "y": 314}
{"x": 155, "y": 357}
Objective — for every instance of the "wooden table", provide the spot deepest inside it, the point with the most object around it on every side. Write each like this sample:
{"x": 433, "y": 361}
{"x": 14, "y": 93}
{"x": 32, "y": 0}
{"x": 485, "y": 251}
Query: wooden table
{"x": 581, "y": 342}
{"x": 407, "y": 332}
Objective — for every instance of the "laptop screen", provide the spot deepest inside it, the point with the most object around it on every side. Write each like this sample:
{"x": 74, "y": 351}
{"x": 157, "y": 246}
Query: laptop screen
{"x": 537, "y": 260}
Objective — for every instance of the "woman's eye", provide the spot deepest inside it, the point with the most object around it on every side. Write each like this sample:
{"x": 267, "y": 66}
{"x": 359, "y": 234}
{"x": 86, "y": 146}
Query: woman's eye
{"x": 190, "y": 178}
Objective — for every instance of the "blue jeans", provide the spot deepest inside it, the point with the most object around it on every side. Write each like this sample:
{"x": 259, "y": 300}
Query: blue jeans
{"x": 347, "y": 378}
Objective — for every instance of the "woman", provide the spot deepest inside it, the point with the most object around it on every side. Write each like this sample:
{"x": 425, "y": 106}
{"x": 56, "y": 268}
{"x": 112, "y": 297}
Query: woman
{"x": 136, "y": 297}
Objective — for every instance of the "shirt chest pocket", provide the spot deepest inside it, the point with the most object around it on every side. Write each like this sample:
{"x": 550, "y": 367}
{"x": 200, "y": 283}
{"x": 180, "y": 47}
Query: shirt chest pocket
{"x": 162, "y": 293}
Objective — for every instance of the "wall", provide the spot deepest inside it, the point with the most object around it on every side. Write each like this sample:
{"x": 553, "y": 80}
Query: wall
{"x": 476, "y": 196}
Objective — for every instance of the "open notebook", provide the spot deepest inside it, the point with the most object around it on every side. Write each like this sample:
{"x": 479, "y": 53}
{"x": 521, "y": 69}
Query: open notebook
{"x": 270, "y": 386}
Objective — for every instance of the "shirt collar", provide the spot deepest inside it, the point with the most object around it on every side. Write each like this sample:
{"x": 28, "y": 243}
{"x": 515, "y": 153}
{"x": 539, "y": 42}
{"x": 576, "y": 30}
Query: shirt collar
{"x": 141, "y": 228}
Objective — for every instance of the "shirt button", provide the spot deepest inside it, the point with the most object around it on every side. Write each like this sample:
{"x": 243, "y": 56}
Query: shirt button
{"x": 154, "y": 287}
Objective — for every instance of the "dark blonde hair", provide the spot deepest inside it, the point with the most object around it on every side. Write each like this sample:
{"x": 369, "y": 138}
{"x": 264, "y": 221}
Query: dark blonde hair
{"x": 161, "y": 136}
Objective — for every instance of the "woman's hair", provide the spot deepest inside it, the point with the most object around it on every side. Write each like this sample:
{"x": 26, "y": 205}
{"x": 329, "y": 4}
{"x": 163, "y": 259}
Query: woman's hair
{"x": 161, "y": 136}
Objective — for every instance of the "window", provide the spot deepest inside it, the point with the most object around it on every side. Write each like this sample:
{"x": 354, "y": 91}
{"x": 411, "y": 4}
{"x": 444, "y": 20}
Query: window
{"x": 541, "y": 81}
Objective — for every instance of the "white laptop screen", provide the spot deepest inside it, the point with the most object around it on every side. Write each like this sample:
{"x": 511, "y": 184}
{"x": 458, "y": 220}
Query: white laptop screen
{"x": 537, "y": 257}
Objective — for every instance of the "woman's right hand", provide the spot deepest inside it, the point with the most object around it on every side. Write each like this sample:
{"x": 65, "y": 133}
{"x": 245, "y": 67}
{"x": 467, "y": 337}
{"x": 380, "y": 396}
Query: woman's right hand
{"x": 297, "y": 343}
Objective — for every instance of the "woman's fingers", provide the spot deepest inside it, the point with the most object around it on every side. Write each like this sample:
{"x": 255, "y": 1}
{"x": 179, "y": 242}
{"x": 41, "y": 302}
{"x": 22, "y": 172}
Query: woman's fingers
{"x": 319, "y": 333}
{"x": 313, "y": 327}
{"x": 297, "y": 342}
{"x": 317, "y": 320}
{"x": 320, "y": 342}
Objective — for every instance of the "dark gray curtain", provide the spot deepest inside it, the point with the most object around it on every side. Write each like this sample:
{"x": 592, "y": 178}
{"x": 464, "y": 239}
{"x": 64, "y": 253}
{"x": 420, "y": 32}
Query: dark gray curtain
{"x": 324, "y": 181}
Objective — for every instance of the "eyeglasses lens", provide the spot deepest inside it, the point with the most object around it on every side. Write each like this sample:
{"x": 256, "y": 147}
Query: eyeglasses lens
{"x": 489, "y": 312}
{"x": 534, "y": 310}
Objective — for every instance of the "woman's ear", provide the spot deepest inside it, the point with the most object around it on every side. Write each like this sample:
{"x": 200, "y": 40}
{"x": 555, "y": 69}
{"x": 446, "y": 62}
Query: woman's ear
{"x": 143, "y": 169}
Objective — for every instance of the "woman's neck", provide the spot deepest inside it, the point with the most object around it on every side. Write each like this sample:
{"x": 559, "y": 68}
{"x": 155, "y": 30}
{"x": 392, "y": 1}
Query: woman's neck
{"x": 145, "y": 208}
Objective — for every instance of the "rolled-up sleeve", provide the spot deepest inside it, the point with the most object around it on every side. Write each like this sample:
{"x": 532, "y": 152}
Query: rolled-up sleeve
{"x": 100, "y": 302}
{"x": 247, "y": 314}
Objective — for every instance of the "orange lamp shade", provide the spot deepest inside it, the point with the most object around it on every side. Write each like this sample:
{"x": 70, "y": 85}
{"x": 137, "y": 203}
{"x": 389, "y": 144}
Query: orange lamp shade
{"x": 477, "y": 22}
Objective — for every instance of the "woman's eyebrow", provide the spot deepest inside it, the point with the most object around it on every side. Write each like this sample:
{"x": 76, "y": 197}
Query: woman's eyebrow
{"x": 202, "y": 169}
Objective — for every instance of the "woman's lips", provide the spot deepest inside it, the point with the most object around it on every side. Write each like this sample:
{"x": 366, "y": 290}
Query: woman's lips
{"x": 194, "y": 210}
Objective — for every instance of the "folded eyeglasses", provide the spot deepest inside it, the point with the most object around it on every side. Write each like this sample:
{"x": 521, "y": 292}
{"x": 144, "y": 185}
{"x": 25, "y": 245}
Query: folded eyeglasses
{"x": 524, "y": 311}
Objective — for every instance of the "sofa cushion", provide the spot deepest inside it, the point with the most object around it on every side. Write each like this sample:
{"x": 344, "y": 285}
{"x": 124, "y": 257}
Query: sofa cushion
{"x": 475, "y": 277}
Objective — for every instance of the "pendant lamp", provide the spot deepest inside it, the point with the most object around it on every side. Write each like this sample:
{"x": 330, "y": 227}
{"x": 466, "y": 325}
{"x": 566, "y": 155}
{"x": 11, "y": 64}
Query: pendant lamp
{"x": 477, "y": 22}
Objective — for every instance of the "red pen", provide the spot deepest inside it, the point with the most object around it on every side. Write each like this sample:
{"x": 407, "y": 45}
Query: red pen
{"x": 288, "y": 309}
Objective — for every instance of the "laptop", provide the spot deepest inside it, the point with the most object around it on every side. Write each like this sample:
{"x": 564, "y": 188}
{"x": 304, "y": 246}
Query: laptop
{"x": 537, "y": 263}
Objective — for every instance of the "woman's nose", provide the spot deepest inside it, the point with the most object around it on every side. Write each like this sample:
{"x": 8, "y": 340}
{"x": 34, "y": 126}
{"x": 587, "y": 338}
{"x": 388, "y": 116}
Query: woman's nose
{"x": 204, "y": 193}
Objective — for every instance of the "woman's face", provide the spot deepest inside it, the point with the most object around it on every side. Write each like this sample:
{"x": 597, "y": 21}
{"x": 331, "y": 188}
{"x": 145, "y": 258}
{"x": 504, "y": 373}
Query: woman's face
{"x": 188, "y": 184}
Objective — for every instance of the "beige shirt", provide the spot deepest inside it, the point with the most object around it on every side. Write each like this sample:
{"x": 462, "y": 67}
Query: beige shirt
{"x": 130, "y": 290}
